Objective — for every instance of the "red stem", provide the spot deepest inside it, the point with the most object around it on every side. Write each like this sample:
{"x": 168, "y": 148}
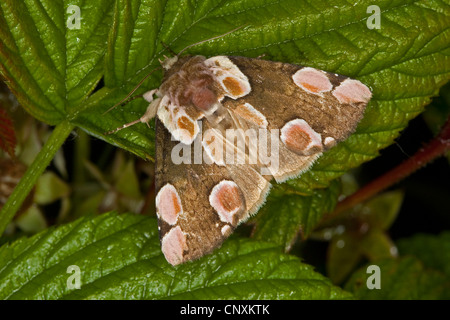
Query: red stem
{"x": 435, "y": 148}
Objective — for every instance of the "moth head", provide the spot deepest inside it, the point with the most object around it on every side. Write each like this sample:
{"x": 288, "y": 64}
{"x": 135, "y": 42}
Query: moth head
{"x": 168, "y": 63}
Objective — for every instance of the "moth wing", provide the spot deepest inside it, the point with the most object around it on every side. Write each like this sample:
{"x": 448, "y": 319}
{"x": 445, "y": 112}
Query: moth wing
{"x": 312, "y": 109}
{"x": 199, "y": 205}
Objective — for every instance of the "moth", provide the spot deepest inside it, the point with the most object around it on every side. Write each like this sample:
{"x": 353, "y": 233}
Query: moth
{"x": 304, "y": 111}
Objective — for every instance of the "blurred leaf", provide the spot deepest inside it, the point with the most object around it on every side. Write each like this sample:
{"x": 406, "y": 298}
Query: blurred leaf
{"x": 31, "y": 142}
{"x": 376, "y": 245}
{"x": 422, "y": 272}
{"x": 360, "y": 235}
{"x": 127, "y": 182}
{"x": 404, "y": 278}
{"x": 120, "y": 181}
{"x": 433, "y": 251}
{"x": 90, "y": 205}
{"x": 347, "y": 250}
{"x": 343, "y": 256}
{"x": 50, "y": 188}
{"x": 120, "y": 258}
{"x": 7, "y": 133}
{"x": 381, "y": 211}
{"x": 32, "y": 220}
{"x": 11, "y": 171}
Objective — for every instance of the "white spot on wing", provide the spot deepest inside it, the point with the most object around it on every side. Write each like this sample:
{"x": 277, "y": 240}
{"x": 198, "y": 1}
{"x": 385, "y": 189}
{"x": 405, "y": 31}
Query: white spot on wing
{"x": 226, "y": 72}
{"x": 168, "y": 204}
{"x": 170, "y": 114}
{"x": 292, "y": 131}
{"x": 225, "y": 199}
{"x": 173, "y": 245}
{"x": 352, "y": 91}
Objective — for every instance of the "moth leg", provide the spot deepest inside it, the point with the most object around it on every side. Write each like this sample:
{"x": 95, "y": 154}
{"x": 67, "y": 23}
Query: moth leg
{"x": 149, "y": 95}
{"x": 150, "y": 113}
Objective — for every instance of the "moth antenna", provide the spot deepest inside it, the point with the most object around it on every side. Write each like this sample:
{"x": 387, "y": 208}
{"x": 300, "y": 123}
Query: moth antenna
{"x": 131, "y": 99}
{"x": 214, "y": 38}
{"x": 132, "y": 91}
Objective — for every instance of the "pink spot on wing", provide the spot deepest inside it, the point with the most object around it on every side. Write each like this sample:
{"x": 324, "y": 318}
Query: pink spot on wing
{"x": 312, "y": 80}
{"x": 168, "y": 204}
{"x": 173, "y": 245}
{"x": 352, "y": 91}
{"x": 300, "y": 138}
{"x": 227, "y": 200}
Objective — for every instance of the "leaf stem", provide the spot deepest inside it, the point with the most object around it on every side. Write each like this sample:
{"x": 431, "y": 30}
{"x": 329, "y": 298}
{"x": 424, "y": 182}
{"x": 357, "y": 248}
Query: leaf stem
{"x": 34, "y": 171}
{"x": 435, "y": 148}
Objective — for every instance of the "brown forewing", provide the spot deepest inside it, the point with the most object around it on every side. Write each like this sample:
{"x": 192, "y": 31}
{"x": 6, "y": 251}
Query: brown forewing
{"x": 194, "y": 182}
{"x": 276, "y": 96}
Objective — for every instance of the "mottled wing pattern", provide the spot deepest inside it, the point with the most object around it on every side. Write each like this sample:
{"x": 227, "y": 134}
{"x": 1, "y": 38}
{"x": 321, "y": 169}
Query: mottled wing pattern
{"x": 200, "y": 201}
{"x": 198, "y": 205}
{"x": 313, "y": 109}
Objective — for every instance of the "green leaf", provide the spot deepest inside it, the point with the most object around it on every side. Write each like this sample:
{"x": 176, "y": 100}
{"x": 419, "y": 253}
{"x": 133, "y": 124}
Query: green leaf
{"x": 127, "y": 183}
{"x": 348, "y": 249}
{"x": 49, "y": 188}
{"x": 376, "y": 245}
{"x": 360, "y": 234}
{"x": 33, "y": 172}
{"x": 381, "y": 211}
{"x": 344, "y": 254}
{"x": 404, "y": 278}
{"x": 433, "y": 251}
{"x": 120, "y": 258}
{"x": 50, "y": 68}
{"x": 31, "y": 221}
{"x": 422, "y": 273}
{"x": 286, "y": 215}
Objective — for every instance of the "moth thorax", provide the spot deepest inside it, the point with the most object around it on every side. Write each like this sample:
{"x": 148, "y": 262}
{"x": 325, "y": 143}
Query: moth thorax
{"x": 169, "y": 62}
{"x": 204, "y": 99}
{"x": 190, "y": 81}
